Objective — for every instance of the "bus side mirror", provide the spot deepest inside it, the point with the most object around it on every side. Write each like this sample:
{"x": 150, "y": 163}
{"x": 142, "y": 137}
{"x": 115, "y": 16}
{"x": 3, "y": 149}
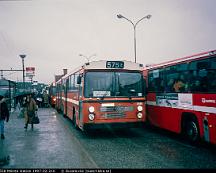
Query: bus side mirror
{"x": 78, "y": 80}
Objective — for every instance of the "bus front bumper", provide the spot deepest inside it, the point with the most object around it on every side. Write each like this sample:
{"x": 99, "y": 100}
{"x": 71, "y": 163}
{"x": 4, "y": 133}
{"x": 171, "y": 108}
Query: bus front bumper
{"x": 112, "y": 125}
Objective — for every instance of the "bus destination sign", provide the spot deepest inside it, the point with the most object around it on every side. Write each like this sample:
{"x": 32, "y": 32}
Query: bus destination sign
{"x": 114, "y": 64}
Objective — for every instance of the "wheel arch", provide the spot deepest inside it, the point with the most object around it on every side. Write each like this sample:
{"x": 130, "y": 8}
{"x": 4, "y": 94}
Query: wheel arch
{"x": 186, "y": 116}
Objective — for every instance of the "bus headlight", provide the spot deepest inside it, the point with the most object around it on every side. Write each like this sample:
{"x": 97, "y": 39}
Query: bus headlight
{"x": 139, "y": 108}
{"x": 139, "y": 115}
{"x": 91, "y": 117}
{"x": 91, "y": 109}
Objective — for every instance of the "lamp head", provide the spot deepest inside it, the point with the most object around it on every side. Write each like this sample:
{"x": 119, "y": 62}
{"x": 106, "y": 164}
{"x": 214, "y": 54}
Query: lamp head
{"x": 149, "y": 16}
{"x": 119, "y": 16}
{"x": 22, "y": 56}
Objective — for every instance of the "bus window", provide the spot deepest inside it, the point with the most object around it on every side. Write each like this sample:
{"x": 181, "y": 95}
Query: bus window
{"x": 213, "y": 63}
{"x": 212, "y": 76}
{"x": 129, "y": 84}
{"x": 151, "y": 85}
{"x": 156, "y": 80}
{"x": 71, "y": 83}
{"x": 176, "y": 78}
{"x": 99, "y": 84}
{"x": 199, "y": 80}
{"x": 75, "y": 81}
{"x": 123, "y": 84}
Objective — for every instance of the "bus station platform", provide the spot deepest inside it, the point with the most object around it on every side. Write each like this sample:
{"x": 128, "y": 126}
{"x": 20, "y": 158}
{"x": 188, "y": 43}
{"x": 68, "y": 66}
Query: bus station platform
{"x": 49, "y": 145}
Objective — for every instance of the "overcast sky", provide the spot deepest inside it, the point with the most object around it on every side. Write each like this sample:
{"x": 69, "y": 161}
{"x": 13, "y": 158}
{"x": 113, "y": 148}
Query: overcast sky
{"x": 52, "y": 33}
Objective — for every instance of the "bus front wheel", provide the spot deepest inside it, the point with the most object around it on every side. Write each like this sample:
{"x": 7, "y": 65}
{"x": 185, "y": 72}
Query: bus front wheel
{"x": 191, "y": 130}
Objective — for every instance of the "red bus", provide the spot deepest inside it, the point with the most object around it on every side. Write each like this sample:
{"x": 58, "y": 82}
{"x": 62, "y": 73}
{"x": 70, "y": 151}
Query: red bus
{"x": 52, "y": 94}
{"x": 103, "y": 93}
{"x": 182, "y": 96}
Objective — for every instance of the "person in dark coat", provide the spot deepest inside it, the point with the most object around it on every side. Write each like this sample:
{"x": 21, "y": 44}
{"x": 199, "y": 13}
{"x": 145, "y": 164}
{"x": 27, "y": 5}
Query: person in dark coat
{"x": 31, "y": 107}
{"x": 4, "y": 115}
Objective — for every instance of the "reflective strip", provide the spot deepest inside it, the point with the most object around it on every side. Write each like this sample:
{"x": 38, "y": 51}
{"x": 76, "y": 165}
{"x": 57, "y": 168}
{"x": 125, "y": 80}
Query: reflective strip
{"x": 195, "y": 108}
{"x": 205, "y": 109}
{"x": 72, "y": 101}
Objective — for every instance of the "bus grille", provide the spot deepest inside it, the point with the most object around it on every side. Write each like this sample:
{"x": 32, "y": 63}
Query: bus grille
{"x": 114, "y": 115}
{"x": 116, "y": 109}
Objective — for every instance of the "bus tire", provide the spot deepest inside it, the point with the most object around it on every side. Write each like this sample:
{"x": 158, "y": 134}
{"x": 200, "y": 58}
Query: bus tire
{"x": 191, "y": 130}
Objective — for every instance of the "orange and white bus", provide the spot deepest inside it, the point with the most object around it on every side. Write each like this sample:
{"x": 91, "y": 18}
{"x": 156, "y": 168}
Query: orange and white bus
{"x": 103, "y": 93}
{"x": 182, "y": 96}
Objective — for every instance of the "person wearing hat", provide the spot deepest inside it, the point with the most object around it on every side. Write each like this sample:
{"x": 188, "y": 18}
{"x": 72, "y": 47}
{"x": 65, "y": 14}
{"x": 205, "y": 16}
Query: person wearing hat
{"x": 4, "y": 115}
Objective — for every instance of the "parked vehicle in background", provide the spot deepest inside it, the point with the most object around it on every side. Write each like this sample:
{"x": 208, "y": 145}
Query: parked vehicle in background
{"x": 182, "y": 96}
{"x": 103, "y": 93}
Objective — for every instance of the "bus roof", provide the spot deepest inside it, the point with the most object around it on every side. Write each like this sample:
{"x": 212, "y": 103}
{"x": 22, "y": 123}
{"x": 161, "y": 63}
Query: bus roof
{"x": 102, "y": 64}
{"x": 187, "y": 58}
{"x": 99, "y": 65}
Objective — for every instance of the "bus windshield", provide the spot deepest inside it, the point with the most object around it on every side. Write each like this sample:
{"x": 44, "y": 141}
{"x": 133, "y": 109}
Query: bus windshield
{"x": 113, "y": 84}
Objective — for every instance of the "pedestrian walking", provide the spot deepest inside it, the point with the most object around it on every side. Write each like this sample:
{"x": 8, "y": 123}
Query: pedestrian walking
{"x": 4, "y": 115}
{"x": 30, "y": 108}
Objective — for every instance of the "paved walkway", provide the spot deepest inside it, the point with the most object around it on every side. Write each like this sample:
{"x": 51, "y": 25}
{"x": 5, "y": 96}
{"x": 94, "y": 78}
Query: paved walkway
{"x": 49, "y": 145}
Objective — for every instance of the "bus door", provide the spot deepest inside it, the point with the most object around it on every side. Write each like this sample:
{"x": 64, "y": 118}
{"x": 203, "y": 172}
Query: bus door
{"x": 66, "y": 96}
{"x": 80, "y": 81}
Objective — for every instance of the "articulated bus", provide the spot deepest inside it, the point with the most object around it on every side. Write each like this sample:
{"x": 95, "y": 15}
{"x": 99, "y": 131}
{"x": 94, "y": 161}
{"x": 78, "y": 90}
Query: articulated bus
{"x": 52, "y": 94}
{"x": 102, "y": 93}
{"x": 182, "y": 96}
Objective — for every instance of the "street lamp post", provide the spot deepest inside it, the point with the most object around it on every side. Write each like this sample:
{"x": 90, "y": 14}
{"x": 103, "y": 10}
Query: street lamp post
{"x": 88, "y": 58}
{"x": 23, "y": 56}
{"x": 134, "y": 27}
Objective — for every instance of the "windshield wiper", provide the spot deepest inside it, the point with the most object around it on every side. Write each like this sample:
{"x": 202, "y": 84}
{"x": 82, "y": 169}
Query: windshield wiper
{"x": 109, "y": 89}
{"x": 102, "y": 97}
{"x": 130, "y": 92}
